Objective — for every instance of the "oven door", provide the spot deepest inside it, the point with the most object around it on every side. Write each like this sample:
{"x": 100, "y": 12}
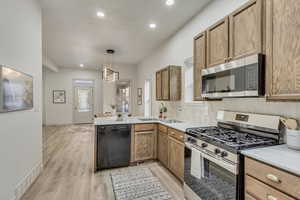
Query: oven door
{"x": 218, "y": 179}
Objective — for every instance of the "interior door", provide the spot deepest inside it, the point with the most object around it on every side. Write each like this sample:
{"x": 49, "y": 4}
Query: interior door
{"x": 83, "y": 104}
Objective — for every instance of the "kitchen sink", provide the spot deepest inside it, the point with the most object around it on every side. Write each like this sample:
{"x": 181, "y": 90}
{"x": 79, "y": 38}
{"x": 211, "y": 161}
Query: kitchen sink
{"x": 170, "y": 121}
{"x": 148, "y": 119}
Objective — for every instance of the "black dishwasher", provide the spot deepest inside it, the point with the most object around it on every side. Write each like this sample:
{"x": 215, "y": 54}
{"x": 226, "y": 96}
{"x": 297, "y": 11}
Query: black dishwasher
{"x": 113, "y": 146}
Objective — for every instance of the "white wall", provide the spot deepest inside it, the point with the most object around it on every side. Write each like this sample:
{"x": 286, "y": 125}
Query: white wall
{"x": 20, "y": 132}
{"x": 56, "y": 114}
{"x": 179, "y": 47}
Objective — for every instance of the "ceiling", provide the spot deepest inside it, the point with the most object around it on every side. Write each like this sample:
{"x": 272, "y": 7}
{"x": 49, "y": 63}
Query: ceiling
{"x": 73, "y": 34}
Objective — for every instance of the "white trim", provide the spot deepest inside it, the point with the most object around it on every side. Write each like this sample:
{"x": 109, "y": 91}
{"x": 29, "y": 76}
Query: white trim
{"x": 27, "y": 181}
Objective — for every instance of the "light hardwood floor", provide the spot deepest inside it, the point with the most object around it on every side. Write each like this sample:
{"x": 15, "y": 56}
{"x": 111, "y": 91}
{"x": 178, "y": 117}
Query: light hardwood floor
{"x": 68, "y": 168}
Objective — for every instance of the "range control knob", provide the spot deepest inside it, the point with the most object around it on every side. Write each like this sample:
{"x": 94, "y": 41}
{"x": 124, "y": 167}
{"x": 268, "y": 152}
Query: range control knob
{"x": 203, "y": 145}
{"x": 224, "y": 154}
{"x": 191, "y": 140}
{"x": 217, "y": 151}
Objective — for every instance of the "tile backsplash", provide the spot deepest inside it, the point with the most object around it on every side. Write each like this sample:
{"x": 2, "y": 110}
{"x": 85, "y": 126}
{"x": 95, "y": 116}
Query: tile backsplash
{"x": 205, "y": 112}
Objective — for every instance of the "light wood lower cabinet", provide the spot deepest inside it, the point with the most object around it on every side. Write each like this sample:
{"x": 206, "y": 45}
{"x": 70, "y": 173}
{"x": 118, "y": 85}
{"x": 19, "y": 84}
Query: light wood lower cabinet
{"x": 176, "y": 157}
{"x": 267, "y": 182}
{"x": 171, "y": 150}
{"x": 144, "y": 145}
{"x": 163, "y": 156}
{"x": 261, "y": 191}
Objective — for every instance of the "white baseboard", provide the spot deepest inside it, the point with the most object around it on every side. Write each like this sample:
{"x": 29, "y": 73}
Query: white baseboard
{"x": 27, "y": 181}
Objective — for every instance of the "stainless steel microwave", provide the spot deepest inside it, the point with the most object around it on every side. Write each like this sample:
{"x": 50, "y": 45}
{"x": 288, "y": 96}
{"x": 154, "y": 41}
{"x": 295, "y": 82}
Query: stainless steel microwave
{"x": 239, "y": 78}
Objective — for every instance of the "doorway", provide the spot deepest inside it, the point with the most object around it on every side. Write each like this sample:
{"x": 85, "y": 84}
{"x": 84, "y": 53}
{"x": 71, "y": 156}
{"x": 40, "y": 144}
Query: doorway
{"x": 83, "y": 101}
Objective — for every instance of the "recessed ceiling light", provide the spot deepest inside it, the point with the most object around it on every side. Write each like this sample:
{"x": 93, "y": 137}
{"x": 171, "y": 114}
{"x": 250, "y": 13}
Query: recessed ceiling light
{"x": 170, "y": 2}
{"x": 100, "y": 14}
{"x": 81, "y": 65}
{"x": 152, "y": 25}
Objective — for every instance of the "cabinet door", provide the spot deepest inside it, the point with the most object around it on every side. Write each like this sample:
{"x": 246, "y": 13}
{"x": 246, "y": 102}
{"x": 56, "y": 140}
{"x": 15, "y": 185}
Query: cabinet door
{"x": 175, "y": 83}
{"x": 158, "y": 86}
{"x": 246, "y": 25}
{"x": 218, "y": 43}
{"x": 283, "y": 49}
{"x": 199, "y": 64}
{"x": 176, "y": 157}
{"x": 163, "y": 148}
{"x": 165, "y": 84}
{"x": 143, "y": 145}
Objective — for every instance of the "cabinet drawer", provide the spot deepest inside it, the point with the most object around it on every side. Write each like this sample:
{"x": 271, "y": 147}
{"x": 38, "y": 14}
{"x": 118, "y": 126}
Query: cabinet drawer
{"x": 274, "y": 177}
{"x": 262, "y": 191}
{"x": 144, "y": 127}
{"x": 176, "y": 134}
{"x": 163, "y": 128}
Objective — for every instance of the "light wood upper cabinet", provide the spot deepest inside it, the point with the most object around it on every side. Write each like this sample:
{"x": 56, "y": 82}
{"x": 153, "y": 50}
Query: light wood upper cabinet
{"x": 176, "y": 157}
{"x": 283, "y": 49}
{"x": 168, "y": 84}
{"x": 158, "y": 85}
{"x": 218, "y": 43}
{"x": 165, "y": 84}
{"x": 163, "y": 148}
{"x": 246, "y": 30}
{"x": 199, "y": 64}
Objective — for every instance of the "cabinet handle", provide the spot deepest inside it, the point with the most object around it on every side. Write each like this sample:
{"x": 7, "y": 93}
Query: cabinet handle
{"x": 271, "y": 197}
{"x": 273, "y": 178}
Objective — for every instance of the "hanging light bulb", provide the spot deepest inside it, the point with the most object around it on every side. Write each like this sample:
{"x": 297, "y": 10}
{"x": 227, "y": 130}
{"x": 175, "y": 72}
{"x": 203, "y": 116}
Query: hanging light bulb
{"x": 108, "y": 74}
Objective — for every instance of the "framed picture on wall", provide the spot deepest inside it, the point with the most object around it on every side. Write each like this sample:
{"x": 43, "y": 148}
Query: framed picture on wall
{"x": 139, "y": 96}
{"x": 59, "y": 96}
{"x": 16, "y": 90}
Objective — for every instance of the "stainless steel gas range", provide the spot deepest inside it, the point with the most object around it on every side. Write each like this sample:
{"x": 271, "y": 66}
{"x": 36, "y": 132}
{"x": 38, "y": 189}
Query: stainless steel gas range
{"x": 214, "y": 166}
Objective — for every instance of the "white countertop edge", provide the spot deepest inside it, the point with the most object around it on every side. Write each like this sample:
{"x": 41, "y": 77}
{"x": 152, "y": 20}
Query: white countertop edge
{"x": 183, "y": 126}
{"x": 279, "y": 156}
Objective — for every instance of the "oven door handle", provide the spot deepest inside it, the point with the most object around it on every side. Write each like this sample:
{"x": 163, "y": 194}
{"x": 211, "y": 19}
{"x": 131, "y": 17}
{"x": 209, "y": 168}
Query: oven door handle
{"x": 222, "y": 163}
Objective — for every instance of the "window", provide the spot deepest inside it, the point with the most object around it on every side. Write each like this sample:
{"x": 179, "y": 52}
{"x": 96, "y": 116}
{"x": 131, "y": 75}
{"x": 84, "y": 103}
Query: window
{"x": 147, "y": 97}
{"x": 188, "y": 81}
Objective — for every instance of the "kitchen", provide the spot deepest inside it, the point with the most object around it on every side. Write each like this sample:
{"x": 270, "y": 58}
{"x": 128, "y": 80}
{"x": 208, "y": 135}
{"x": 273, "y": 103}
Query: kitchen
{"x": 232, "y": 52}
{"x": 201, "y": 103}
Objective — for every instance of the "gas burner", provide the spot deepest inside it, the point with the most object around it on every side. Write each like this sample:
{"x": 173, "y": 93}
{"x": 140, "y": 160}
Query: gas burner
{"x": 231, "y": 138}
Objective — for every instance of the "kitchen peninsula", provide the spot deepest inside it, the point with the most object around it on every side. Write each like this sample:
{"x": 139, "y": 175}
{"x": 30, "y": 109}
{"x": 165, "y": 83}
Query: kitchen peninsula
{"x": 134, "y": 140}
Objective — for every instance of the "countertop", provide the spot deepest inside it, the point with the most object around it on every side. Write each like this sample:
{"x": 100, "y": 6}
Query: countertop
{"x": 136, "y": 120}
{"x": 279, "y": 156}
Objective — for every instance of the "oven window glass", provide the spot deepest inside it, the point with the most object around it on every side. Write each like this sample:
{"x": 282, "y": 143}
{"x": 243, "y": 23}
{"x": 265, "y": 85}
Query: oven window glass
{"x": 226, "y": 81}
{"x": 217, "y": 183}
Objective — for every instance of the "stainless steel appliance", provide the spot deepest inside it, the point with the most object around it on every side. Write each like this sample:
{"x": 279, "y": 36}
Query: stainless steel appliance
{"x": 213, "y": 163}
{"x": 113, "y": 146}
{"x": 239, "y": 78}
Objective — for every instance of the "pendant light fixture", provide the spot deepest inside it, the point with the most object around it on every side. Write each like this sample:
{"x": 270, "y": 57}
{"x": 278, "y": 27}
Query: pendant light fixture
{"x": 108, "y": 74}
